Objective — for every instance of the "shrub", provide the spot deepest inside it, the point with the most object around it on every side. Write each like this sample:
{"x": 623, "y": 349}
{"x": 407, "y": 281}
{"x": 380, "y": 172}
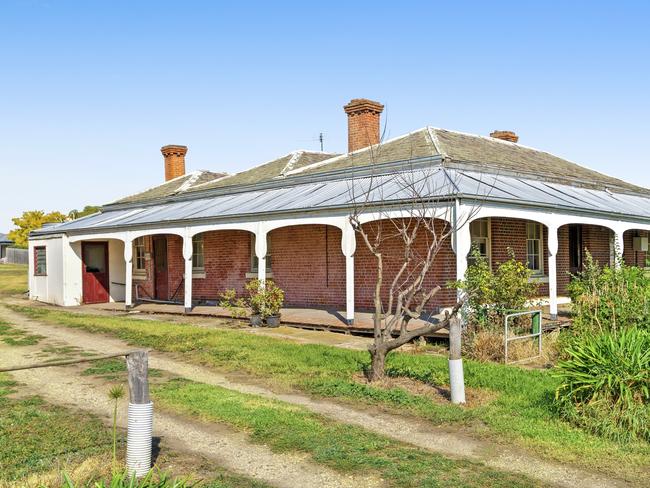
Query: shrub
{"x": 236, "y": 306}
{"x": 609, "y": 298}
{"x": 492, "y": 295}
{"x": 605, "y": 383}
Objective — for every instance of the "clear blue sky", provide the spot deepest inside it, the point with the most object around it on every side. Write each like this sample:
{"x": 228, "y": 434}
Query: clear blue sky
{"x": 89, "y": 91}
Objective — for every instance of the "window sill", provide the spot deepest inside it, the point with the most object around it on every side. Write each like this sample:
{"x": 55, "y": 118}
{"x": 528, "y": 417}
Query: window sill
{"x": 40, "y": 274}
{"x": 253, "y": 275}
{"x": 139, "y": 276}
{"x": 198, "y": 275}
{"x": 538, "y": 279}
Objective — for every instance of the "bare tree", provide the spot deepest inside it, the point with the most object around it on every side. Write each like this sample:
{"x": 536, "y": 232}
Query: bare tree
{"x": 406, "y": 240}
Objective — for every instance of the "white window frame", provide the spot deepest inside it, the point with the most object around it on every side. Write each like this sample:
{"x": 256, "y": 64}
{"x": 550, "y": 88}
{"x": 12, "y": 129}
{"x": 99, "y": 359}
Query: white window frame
{"x": 487, "y": 239}
{"x": 139, "y": 256}
{"x": 539, "y": 271}
{"x": 198, "y": 254}
{"x": 37, "y": 250}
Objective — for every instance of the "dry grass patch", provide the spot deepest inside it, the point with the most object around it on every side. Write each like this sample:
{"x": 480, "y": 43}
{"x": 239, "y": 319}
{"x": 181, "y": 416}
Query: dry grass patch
{"x": 440, "y": 394}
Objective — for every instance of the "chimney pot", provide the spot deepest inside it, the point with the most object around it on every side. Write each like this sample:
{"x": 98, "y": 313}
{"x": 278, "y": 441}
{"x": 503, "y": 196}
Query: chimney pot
{"x": 174, "y": 160}
{"x": 363, "y": 123}
{"x": 505, "y": 135}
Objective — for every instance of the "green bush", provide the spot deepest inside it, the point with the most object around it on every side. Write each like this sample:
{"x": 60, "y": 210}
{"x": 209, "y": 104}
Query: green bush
{"x": 235, "y": 305}
{"x": 609, "y": 298}
{"x": 605, "y": 383}
{"x": 492, "y": 295}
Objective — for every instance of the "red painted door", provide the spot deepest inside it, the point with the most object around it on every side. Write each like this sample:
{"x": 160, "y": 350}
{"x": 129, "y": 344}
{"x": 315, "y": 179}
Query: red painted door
{"x": 95, "y": 279}
{"x": 160, "y": 268}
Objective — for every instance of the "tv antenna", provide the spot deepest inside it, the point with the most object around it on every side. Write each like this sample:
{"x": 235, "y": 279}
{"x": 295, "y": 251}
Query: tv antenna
{"x": 321, "y": 138}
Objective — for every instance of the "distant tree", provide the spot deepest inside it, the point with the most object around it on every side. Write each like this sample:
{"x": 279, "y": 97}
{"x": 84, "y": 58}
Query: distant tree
{"x": 32, "y": 220}
{"x": 88, "y": 210}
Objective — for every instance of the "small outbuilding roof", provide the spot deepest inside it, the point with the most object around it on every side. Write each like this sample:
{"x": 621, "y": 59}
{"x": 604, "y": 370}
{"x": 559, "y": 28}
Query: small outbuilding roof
{"x": 4, "y": 239}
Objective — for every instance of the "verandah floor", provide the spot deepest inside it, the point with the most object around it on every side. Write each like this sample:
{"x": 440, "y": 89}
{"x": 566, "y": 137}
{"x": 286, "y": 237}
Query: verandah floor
{"x": 309, "y": 318}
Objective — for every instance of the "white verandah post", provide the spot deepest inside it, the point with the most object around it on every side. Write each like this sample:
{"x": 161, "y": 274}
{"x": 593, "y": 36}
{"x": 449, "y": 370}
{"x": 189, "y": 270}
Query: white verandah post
{"x": 619, "y": 246}
{"x": 260, "y": 252}
{"x": 128, "y": 282}
{"x": 348, "y": 246}
{"x": 552, "y": 242}
{"x": 187, "y": 256}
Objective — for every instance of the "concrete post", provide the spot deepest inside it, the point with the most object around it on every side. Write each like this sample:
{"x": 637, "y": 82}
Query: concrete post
{"x": 462, "y": 244}
{"x": 456, "y": 374}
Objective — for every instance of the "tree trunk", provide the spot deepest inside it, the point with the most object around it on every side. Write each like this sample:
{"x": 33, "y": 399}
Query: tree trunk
{"x": 378, "y": 363}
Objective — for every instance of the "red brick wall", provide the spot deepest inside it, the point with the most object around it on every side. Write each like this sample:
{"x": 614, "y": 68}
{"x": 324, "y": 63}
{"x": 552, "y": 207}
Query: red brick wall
{"x": 226, "y": 262}
{"x": 562, "y": 260}
{"x": 443, "y": 272}
{"x": 309, "y": 265}
{"x": 508, "y": 234}
{"x": 597, "y": 241}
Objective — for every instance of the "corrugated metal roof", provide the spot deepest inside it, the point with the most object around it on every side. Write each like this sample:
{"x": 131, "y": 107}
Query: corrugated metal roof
{"x": 430, "y": 182}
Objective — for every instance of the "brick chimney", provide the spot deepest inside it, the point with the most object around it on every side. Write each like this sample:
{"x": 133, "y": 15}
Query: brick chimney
{"x": 505, "y": 135}
{"x": 174, "y": 160}
{"x": 363, "y": 123}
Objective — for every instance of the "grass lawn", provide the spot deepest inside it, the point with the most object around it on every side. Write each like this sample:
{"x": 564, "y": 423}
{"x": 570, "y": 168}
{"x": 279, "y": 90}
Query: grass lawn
{"x": 289, "y": 428}
{"x": 520, "y": 413}
{"x": 38, "y": 440}
{"x": 13, "y": 279}
{"x": 36, "y": 437}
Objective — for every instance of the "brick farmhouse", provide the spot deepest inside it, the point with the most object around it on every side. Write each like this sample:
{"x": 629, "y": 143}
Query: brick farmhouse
{"x": 198, "y": 234}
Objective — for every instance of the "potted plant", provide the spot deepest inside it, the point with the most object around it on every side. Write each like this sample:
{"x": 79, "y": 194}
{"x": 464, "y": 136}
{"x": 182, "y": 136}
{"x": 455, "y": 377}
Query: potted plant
{"x": 255, "y": 302}
{"x": 265, "y": 301}
{"x": 273, "y": 300}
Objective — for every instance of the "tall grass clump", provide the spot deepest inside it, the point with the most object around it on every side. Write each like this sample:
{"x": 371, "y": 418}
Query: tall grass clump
{"x": 153, "y": 479}
{"x": 116, "y": 393}
{"x": 605, "y": 384}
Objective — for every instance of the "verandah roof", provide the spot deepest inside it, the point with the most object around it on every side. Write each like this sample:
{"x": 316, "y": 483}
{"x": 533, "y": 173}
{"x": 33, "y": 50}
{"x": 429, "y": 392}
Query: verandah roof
{"x": 432, "y": 182}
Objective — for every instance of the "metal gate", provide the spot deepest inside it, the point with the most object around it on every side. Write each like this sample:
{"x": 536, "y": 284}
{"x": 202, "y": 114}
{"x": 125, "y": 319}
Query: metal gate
{"x": 536, "y": 331}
